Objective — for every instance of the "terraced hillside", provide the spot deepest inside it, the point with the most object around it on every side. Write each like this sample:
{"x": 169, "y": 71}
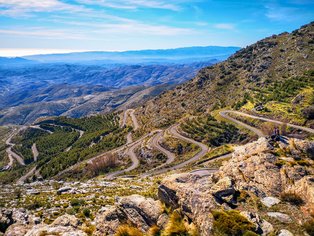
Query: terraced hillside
{"x": 61, "y": 142}
{"x": 274, "y": 75}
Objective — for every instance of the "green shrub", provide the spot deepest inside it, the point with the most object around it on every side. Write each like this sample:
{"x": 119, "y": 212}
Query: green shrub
{"x": 87, "y": 212}
{"x": 35, "y": 204}
{"x": 125, "y": 230}
{"x": 176, "y": 226}
{"x": 77, "y": 202}
{"x": 309, "y": 227}
{"x": 231, "y": 223}
{"x": 292, "y": 198}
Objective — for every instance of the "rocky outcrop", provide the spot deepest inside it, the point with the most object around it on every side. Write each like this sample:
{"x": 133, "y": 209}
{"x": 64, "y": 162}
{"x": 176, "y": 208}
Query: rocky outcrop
{"x": 136, "y": 210}
{"x": 305, "y": 189}
{"x": 254, "y": 168}
{"x": 12, "y": 216}
{"x": 194, "y": 196}
{"x": 65, "y": 225}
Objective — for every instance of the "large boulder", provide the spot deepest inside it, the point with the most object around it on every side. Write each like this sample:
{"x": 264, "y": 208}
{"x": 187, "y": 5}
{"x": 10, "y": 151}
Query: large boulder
{"x": 140, "y": 211}
{"x": 6, "y": 219}
{"x": 12, "y": 216}
{"x": 192, "y": 193}
{"x": 305, "y": 189}
{"x": 136, "y": 210}
{"x": 65, "y": 225}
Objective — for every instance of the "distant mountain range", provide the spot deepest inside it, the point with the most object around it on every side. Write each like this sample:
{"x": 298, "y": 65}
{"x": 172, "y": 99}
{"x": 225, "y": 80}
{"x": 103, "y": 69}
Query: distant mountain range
{"x": 179, "y": 55}
{"x": 78, "y": 84}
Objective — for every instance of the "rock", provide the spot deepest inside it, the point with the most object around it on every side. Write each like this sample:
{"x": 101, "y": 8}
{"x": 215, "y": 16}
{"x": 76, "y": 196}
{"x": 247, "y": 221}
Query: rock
{"x": 285, "y": 232}
{"x": 270, "y": 201}
{"x": 162, "y": 220}
{"x": 108, "y": 220}
{"x": 17, "y": 229}
{"x": 193, "y": 195}
{"x": 136, "y": 210}
{"x": 32, "y": 192}
{"x": 254, "y": 166}
{"x": 140, "y": 211}
{"x": 63, "y": 190}
{"x": 168, "y": 196}
{"x": 222, "y": 189}
{"x": 284, "y": 218}
{"x": 305, "y": 189}
{"x": 21, "y": 216}
{"x": 65, "y": 225}
{"x": 66, "y": 220}
{"x": 263, "y": 227}
{"x": 57, "y": 230}
{"x": 6, "y": 219}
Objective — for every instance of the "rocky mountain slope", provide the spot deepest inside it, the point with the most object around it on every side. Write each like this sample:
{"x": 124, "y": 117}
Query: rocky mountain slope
{"x": 251, "y": 76}
{"x": 265, "y": 189}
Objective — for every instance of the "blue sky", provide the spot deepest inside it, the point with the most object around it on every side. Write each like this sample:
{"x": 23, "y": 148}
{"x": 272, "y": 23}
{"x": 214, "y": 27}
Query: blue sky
{"x": 45, "y": 26}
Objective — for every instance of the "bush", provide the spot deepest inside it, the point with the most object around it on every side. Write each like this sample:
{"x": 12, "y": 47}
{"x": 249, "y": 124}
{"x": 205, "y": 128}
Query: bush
{"x": 77, "y": 202}
{"x": 308, "y": 112}
{"x": 231, "y": 223}
{"x": 292, "y": 198}
{"x": 86, "y": 212}
{"x": 35, "y": 205}
{"x": 125, "y": 230}
{"x": 176, "y": 226}
{"x": 309, "y": 227}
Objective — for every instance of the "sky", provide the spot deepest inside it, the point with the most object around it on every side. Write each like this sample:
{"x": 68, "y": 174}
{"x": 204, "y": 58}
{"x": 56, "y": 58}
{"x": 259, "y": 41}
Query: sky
{"x": 56, "y": 26}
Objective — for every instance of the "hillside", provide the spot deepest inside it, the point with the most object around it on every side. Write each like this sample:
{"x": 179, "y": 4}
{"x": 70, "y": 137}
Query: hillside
{"x": 276, "y": 73}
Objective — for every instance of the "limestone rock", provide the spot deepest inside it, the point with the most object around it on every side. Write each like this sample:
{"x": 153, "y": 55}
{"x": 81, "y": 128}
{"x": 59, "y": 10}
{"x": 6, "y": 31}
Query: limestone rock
{"x": 193, "y": 195}
{"x": 280, "y": 216}
{"x": 305, "y": 189}
{"x": 17, "y": 229}
{"x": 137, "y": 210}
{"x": 108, "y": 220}
{"x": 6, "y": 219}
{"x": 270, "y": 201}
{"x": 66, "y": 220}
{"x": 263, "y": 227}
{"x": 140, "y": 211}
{"x": 285, "y": 232}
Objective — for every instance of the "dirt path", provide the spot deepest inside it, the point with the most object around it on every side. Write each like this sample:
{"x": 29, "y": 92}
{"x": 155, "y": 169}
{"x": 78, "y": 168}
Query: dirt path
{"x": 204, "y": 149}
{"x": 26, "y": 176}
{"x": 35, "y": 151}
{"x": 38, "y": 127}
{"x": 12, "y": 155}
{"x": 134, "y": 119}
{"x": 135, "y": 162}
{"x": 224, "y": 113}
{"x": 170, "y": 156}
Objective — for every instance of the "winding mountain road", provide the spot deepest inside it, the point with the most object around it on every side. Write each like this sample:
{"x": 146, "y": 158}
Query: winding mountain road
{"x": 12, "y": 155}
{"x": 258, "y": 132}
{"x": 174, "y": 131}
{"x": 135, "y": 162}
{"x": 224, "y": 114}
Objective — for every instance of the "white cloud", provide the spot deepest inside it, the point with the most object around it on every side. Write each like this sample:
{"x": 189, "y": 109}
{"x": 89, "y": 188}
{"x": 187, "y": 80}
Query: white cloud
{"x": 18, "y": 52}
{"x": 225, "y": 26}
{"x": 43, "y": 33}
{"x": 21, "y": 7}
{"x": 135, "y": 4}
